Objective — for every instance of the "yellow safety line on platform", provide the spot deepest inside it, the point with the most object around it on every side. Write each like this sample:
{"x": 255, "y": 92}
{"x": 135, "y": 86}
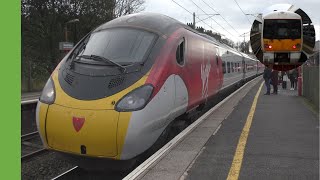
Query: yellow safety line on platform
{"x": 238, "y": 156}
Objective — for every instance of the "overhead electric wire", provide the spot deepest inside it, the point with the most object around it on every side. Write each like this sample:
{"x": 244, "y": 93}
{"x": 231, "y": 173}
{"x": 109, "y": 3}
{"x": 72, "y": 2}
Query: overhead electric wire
{"x": 183, "y": 7}
{"x": 196, "y": 16}
{"x": 221, "y": 17}
{"x": 243, "y": 12}
{"x": 212, "y": 19}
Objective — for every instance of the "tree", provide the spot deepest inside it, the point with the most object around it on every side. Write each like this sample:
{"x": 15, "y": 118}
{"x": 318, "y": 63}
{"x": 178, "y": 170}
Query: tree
{"x": 124, "y": 7}
{"x": 44, "y": 23}
{"x": 228, "y": 42}
{"x": 244, "y": 47}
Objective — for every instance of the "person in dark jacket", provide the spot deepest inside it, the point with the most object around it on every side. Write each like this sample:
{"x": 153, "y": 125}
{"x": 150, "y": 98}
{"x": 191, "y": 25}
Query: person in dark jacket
{"x": 274, "y": 79}
{"x": 266, "y": 77}
{"x": 292, "y": 79}
{"x": 295, "y": 78}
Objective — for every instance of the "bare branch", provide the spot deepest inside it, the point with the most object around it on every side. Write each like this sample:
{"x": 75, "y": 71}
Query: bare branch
{"x": 124, "y": 7}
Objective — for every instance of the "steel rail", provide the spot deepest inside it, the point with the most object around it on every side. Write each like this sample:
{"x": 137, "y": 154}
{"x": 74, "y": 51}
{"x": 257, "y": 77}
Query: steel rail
{"x": 29, "y": 135}
{"x": 33, "y": 154}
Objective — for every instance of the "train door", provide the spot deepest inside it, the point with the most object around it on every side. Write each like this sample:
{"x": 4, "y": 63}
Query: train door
{"x": 181, "y": 92}
{"x": 219, "y": 69}
{"x": 243, "y": 68}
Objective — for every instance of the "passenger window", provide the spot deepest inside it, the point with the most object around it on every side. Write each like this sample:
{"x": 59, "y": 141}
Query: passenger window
{"x": 232, "y": 67}
{"x": 228, "y": 67}
{"x": 180, "y": 52}
{"x": 224, "y": 67}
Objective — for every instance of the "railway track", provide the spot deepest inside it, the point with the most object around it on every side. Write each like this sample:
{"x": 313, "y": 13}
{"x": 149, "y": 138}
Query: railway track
{"x": 29, "y": 136}
{"x": 31, "y": 145}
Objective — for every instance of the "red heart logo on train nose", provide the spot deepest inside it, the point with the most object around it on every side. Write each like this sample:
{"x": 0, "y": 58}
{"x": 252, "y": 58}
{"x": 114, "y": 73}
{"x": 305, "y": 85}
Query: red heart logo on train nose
{"x": 78, "y": 123}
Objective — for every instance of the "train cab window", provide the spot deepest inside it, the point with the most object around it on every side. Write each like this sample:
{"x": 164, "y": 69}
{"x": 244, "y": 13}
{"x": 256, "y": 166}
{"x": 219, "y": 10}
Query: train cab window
{"x": 224, "y": 67}
{"x": 228, "y": 67}
{"x": 180, "y": 52}
{"x": 120, "y": 45}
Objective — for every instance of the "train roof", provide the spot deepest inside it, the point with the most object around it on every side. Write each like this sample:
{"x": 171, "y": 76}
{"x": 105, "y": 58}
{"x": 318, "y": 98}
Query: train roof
{"x": 248, "y": 56}
{"x": 159, "y": 23}
{"x": 210, "y": 38}
{"x": 282, "y": 15}
{"x": 162, "y": 24}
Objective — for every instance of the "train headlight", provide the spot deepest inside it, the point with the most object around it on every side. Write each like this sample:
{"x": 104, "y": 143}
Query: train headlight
{"x": 135, "y": 100}
{"x": 48, "y": 92}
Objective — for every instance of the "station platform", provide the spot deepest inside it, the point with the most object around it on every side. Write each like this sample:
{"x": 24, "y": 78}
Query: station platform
{"x": 30, "y": 96}
{"x": 249, "y": 136}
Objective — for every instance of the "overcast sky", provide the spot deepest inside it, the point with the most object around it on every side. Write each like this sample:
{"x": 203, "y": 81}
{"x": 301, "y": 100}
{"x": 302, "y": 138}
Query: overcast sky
{"x": 229, "y": 10}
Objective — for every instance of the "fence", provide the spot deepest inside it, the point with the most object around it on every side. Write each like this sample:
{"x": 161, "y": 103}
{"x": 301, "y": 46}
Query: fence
{"x": 310, "y": 86}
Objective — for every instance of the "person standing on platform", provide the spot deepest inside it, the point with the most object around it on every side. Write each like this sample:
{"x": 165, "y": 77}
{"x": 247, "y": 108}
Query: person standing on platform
{"x": 274, "y": 79}
{"x": 291, "y": 77}
{"x": 267, "y": 77}
{"x": 284, "y": 80}
{"x": 295, "y": 78}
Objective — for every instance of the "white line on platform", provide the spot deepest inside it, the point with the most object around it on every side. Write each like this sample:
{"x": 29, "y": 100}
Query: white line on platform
{"x": 64, "y": 173}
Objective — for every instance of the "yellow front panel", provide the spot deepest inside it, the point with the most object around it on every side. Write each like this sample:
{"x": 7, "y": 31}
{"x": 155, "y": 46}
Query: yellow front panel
{"x": 284, "y": 45}
{"x": 98, "y": 133}
{"x": 104, "y": 130}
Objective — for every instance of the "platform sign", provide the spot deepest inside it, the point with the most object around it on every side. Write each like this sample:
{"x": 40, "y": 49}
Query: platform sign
{"x": 65, "y": 46}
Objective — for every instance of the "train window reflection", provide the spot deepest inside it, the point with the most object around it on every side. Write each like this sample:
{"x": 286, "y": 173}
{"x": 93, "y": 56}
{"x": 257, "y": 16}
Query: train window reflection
{"x": 120, "y": 44}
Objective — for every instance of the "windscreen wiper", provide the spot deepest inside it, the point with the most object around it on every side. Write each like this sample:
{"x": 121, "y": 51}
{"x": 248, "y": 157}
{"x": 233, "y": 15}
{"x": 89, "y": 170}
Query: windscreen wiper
{"x": 103, "y": 59}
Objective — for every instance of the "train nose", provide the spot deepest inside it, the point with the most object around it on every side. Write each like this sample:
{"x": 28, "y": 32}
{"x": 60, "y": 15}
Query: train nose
{"x": 80, "y": 131}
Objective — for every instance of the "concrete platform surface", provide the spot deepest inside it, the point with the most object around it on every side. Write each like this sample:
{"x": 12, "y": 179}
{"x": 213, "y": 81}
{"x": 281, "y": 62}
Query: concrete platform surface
{"x": 282, "y": 142}
{"x": 176, "y": 162}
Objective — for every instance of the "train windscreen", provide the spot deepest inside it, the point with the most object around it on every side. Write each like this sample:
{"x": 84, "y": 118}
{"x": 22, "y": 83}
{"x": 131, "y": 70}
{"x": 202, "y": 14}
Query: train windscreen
{"x": 121, "y": 45}
{"x": 282, "y": 29}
